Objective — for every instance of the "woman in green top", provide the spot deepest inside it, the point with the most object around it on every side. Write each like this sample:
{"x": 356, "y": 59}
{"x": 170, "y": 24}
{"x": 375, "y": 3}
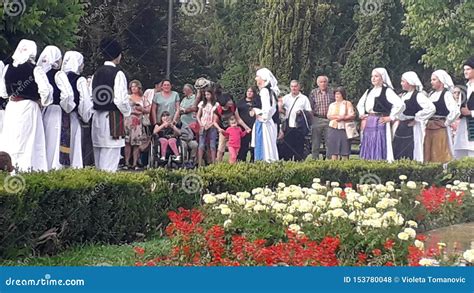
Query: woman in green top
{"x": 166, "y": 100}
{"x": 188, "y": 108}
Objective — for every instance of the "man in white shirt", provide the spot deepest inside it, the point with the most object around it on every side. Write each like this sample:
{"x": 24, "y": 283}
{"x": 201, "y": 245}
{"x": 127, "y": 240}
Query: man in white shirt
{"x": 464, "y": 140}
{"x": 111, "y": 104}
{"x": 293, "y": 105}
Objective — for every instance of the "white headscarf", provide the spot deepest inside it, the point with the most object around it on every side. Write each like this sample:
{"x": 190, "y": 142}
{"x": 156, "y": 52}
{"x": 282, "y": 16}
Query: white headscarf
{"x": 386, "y": 79}
{"x": 72, "y": 61}
{"x": 269, "y": 78}
{"x": 412, "y": 79}
{"x": 26, "y": 50}
{"x": 444, "y": 77}
{"x": 49, "y": 58}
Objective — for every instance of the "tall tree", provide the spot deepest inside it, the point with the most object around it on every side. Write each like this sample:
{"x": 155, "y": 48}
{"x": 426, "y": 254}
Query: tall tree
{"x": 445, "y": 29}
{"x": 378, "y": 44}
{"x": 48, "y": 22}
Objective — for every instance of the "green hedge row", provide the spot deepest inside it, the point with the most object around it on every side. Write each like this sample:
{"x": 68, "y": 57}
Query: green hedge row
{"x": 58, "y": 209}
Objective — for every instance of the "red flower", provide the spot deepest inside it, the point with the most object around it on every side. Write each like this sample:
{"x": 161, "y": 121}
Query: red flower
{"x": 377, "y": 252}
{"x": 389, "y": 244}
{"x": 421, "y": 237}
{"x": 139, "y": 250}
{"x": 434, "y": 198}
{"x": 362, "y": 257}
{"x": 348, "y": 185}
{"x": 138, "y": 264}
{"x": 389, "y": 264}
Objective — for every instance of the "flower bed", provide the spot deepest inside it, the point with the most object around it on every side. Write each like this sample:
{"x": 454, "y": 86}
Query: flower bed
{"x": 293, "y": 225}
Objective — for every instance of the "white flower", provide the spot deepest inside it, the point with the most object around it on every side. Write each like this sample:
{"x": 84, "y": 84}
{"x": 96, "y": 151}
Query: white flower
{"x": 227, "y": 223}
{"x": 250, "y": 204}
{"x": 288, "y": 218}
{"x": 382, "y": 205}
{"x": 403, "y": 177}
{"x": 471, "y": 185}
{"x": 403, "y": 236}
{"x": 449, "y": 186}
{"x": 426, "y": 262}
{"x": 268, "y": 200}
{"x": 424, "y": 183}
{"x": 334, "y": 184}
{"x": 304, "y": 206}
{"x": 259, "y": 196}
{"x": 336, "y": 202}
{"x": 357, "y": 205}
{"x": 411, "y": 184}
{"x": 411, "y": 232}
{"x": 258, "y": 207}
{"x": 221, "y": 196}
{"x": 469, "y": 255}
{"x": 316, "y": 180}
{"x": 307, "y": 217}
{"x": 244, "y": 195}
{"x": 209, "y": 199}
{"x": 420, "y": 245}
{"x": 412, "y": 224}
{"x": 294, "y": 228}
{"x": 456, "y": 182}
{"x": 370, "y": 211}
{"x": 363, "y": 199}
{"x": 390, "y": 188}
{"x": 281, "y": 185}
{"x": 226, "y": 211}
{"x": 339, "y": 213}
{"x": 389, "y": 183}
{"x": 257, "y": 190}
{"x": 241, "y": 201}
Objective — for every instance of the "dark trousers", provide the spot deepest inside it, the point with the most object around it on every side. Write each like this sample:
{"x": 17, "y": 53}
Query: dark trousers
{"x": 292, "y": 147}
{"x": 87, "y": 147}
{"x": 245, "y": 148}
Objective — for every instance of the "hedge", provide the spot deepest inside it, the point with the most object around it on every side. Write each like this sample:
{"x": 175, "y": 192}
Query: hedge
{"x": 63, "y": 208}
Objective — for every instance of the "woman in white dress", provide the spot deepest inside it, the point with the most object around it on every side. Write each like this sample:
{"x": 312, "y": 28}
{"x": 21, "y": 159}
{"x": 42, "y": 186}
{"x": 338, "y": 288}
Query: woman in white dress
{"x": 464, "y": 140}
{"x": 25, "y": 84}
{"x": 265, "y": 130}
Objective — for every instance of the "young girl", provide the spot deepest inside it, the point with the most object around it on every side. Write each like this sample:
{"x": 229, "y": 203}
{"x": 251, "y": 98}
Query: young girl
{"x": 167, "y": 133}
{"x": 234, "y": 134}
{"x": 206, "y": 118}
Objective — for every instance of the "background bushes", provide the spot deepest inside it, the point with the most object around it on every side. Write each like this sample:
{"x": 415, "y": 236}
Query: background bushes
{"x": 63, "y": 208}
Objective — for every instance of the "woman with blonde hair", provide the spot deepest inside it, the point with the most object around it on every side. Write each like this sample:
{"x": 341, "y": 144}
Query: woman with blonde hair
{"x": 135, "y": 136}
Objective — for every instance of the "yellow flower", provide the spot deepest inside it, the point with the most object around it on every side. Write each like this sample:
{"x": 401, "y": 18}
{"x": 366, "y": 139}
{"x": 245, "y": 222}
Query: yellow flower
{"x": 209, "y": 199}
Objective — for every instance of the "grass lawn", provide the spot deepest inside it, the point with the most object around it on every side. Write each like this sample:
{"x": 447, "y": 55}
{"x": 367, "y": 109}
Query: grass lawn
{"x": 96, "y": 255}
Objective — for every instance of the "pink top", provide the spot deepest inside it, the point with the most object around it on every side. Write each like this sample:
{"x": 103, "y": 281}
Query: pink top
{"x": 234, "y": 133}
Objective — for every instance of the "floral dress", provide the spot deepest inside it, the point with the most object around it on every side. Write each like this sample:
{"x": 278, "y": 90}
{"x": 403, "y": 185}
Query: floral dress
{"x": 134, "y": 134}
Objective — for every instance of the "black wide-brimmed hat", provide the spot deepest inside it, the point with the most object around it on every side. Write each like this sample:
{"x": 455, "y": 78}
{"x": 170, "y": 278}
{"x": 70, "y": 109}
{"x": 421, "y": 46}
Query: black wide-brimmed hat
{"x": 110, "y": 48}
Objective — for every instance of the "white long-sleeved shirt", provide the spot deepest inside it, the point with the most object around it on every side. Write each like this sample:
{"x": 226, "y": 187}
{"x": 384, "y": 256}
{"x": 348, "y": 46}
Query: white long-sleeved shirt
{"x": 428, "y": 108}
{"x": 39, "y": 76}
{"x": 451, "y": 104}
{"x": 367, "y": 102}
{"x": 302, "y": 104}
{"x": 268, "y": 107}
{"x": 66, "y": 92}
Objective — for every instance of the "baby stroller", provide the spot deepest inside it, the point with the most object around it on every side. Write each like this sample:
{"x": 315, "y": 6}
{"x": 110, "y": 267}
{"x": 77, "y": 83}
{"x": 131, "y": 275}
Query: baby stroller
{"x": 170, "y": 161}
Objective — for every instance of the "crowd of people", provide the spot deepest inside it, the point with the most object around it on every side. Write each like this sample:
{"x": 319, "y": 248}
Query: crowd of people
{"x": 52, "y": 117}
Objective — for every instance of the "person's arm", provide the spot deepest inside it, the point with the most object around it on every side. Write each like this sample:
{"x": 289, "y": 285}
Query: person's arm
{"x": 398, "y": 106}
{"x": 361, "y": 105}
{"x": 67, "y": 94}
{"x": 428, "y": 108}
{"x": 154, "y": 108}
{"x": 85, "y": 108}
{"x": 3, "y": 87}
{"x": 121, "y": 99}
{"x": 281, "y": 105}
{"x": 330, "y": 116}
{"x": 453, "y": 108}
{"x": 240, "y": 121}
{"x": 176, "y": 113}
{"x": 146, "y": 109}
{"x": 44, "y": 88}
{"x": 198, "y": 116}
{"x": 176, "y": 130}
{"x": 350, "y": 115}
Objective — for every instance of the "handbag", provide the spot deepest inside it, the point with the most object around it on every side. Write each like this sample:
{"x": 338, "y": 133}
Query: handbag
{"x": 351, "y": 128}
{"x": 286, "y": 125}
{"x": 146, "y": 117}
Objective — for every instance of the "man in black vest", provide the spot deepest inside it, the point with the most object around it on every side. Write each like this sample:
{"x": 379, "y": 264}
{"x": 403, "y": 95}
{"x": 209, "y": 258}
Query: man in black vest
{"x": 464, "y": 140}
{"x": 111, "y": 105}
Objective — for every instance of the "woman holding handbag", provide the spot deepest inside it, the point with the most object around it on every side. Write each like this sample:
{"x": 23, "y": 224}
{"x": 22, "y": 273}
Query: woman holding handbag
{"x": 341, "y": 129}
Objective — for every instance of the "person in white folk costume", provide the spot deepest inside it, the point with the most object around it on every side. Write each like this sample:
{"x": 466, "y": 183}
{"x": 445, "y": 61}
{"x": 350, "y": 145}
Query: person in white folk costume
{"x": 265, "y": 129}
{"x": 110, "y": 106}
{"x": 56, "y": 116}
{"x": 410, "y": 133}
{"x": 464, "y": 139}
{"x": 438, "y": 146}
{"x": 378, "y": 107}
{"x": 73, "y": 65}
{"x": 25, "y": 84}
